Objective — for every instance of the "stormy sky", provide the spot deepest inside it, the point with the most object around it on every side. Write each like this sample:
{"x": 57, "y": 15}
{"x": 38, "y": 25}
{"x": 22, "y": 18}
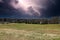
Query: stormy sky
{"x": 29, "y": 8}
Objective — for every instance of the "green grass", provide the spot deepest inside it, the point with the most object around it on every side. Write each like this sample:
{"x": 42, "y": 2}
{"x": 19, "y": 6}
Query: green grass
{"x": 31, "y": 26}
{"x": 17, "y": 31}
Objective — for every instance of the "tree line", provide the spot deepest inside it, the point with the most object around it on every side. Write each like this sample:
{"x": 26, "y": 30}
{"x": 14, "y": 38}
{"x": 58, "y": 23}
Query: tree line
{"x": 53, "y": 20}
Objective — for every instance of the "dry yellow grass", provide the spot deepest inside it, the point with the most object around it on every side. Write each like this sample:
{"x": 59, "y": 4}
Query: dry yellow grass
{"x": 29, "y": 32}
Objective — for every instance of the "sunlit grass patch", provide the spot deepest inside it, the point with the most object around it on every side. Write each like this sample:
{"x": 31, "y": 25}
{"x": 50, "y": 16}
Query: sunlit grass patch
{"x": 16, "y": 31}
{"x": 7, "y": 34}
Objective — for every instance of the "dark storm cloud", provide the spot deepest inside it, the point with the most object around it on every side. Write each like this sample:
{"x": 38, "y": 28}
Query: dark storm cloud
{"x": 53, "y": 9}
{"x": 50, "y": 9}
{"x": 8, "y": 11}
{"x": 0, "y": 0}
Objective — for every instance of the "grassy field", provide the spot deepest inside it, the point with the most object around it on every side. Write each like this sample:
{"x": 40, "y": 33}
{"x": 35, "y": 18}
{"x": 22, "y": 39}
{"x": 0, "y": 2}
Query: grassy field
{"x": 23, "y": 31}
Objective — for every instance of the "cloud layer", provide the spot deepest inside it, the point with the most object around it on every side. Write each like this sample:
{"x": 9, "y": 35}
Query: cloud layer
{"x": 26, "y": 5}
{"x": 30, "y": 8}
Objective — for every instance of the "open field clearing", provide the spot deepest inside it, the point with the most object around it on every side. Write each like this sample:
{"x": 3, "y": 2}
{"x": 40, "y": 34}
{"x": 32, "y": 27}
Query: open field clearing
{"x": 29, "y": 31}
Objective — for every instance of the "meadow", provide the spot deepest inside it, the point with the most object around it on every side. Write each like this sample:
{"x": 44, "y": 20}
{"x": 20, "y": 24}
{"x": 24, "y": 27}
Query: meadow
{"x": 22, "y": 31}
